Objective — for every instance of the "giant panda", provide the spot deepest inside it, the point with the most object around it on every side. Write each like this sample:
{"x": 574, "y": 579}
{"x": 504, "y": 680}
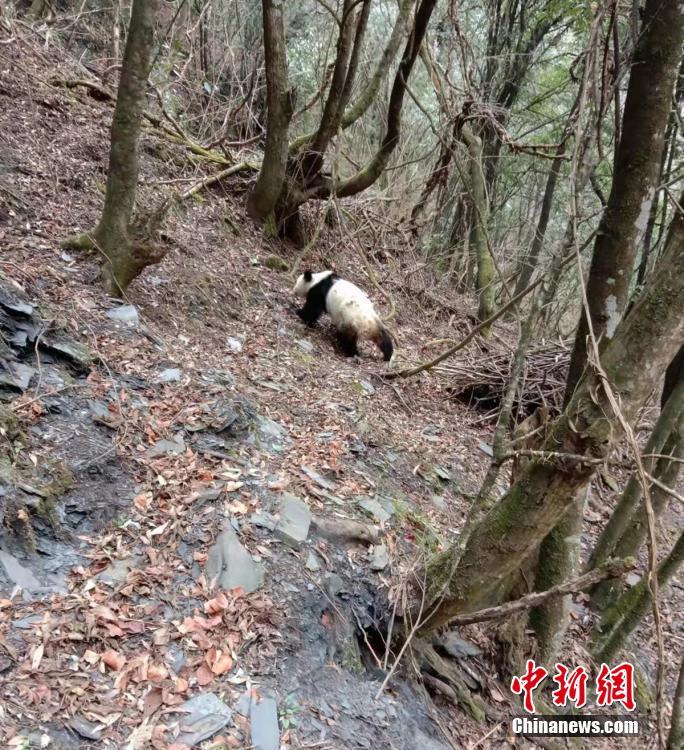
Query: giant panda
{"x": 350, "y": 309}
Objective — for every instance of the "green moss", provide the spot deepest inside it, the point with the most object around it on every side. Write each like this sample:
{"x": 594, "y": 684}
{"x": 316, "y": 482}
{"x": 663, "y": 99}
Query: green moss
{"x": 276, "y": 263}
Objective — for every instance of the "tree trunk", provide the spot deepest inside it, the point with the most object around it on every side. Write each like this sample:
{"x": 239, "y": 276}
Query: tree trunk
{"x": 629, "y": 544}
{"x": 486, "y": 271}
{"x": 622, "y": 516}
{"x": 126, "y": 254}
{"x": 115, "y": 40}
{"x": 643, "y": 345}
{"x": 635, "y": 603}
{"x": 530, "y": 262}
{"x": 297, "y": 193}
{"x": 647, "y": 107}
{"x": 675, "y": 740}
{"x": 280, "y": 102}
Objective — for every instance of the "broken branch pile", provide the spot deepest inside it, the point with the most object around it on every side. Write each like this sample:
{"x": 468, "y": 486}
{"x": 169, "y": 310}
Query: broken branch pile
{"x": 480, "y": 378}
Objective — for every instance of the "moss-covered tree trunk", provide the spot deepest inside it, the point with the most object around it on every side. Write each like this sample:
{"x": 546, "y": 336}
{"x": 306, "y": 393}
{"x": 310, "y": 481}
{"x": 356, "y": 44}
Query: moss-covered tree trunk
{"x": 125, "y": 252}
{"x": 280, "y": 102}
{"x": 633, "y": 605}
{"x": 634, "y": 535}
{"x": 633, "y": 362}
{"x": 647, "y": 107}
{"x": 622, "y": 516}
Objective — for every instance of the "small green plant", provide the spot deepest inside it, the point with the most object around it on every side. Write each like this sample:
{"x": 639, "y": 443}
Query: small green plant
{"x": 288, "y": 713}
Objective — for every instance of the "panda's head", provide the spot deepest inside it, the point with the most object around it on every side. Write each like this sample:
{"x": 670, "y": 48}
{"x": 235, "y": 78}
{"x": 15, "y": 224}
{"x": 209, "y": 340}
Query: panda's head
{"x": 307, "y": 280}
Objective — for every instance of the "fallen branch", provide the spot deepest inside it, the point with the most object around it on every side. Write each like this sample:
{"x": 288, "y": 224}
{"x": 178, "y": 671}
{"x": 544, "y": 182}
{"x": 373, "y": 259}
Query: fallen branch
{"x": 241, "y": 167}
{"x": 464, "y": 342}
{"x": 610, "y": 569}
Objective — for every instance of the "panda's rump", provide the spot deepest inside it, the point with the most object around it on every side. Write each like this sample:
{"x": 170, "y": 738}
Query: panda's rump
{"x": 351, "y": 308}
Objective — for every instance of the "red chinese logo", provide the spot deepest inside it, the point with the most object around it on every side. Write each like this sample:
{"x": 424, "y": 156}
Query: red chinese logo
{"x": 528, "y": 683}
{"x": 572, "y": 686}
{"x": 612, "y": 685}
{"x": 616, "y": 686}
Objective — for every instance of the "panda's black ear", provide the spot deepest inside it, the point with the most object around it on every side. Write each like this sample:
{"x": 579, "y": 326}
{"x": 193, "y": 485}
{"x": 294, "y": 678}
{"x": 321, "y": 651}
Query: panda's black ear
{"x": 308, "y": 276}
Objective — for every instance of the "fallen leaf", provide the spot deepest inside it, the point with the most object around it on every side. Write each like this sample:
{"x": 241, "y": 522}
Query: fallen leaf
{"x": 91, "y": 656}
{"x": 222, "y": 664}
{"x": 37, "y": 656}
{"x": 157, "y": 672}
{"x": 181, "y": 685}
{"x": 113, "y": 659}
{"x": 217, "y": 604}
{"x": 152, "y": 702}
{"x": 204, "y": 675}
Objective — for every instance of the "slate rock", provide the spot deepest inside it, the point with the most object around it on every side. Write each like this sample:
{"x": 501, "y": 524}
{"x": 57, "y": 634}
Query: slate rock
{"x": 457, "y": 647}
{"x": 374, "y": 509}
{"x": 117, "y": 571}
{"x": 22, "y": 374}
{"x": 203, "y": 716}
{"x": 378, "y": 558}
{"x": 439, "y": 502}
{"x": 264, "y": 720}
{"x": 295, "y": 519}
{"x": 163, "y": 447}
{"x": 316, "y": 477}
{"x": 170, "y": 375}
{"x": 312, "y": 562}
{"x": 264, "y": 521}
{"x": 231, "y": 565}
{"x": 124, "y": 314}
{"x": 87, "y": 729}
{"x": 18, "y": 574}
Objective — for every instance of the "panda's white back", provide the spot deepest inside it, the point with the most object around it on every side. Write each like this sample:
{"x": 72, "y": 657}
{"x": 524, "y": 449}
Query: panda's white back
{"x": 348, "y": 305}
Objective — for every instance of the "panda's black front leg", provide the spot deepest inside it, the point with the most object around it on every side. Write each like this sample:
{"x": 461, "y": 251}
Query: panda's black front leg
{"x": 310, "y": 313}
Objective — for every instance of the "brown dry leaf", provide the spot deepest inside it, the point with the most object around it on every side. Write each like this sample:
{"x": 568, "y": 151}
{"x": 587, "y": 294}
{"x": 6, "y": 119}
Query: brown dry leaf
{"x": 204, "y": 675}
{"x": 177, "y": 746}
{"x": 161, "y": 636}
{"x": 91, "y": 657}
{"x": 114, "y": 660}
{"x": 217, "y": 604}
{"x": 37, "y": 656}
{"x": 222, "y": 664}
{"x": 143, "y": 501}
{"x": 181, "y": 685}
{"x": 157, "y": 672}
{"x": 232, "y": 486}
{"x": 152, "y": 702}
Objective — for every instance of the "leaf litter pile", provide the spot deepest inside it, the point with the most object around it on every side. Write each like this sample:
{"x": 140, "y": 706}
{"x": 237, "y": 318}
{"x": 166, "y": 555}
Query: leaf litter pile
{"x": 208, "y": 415}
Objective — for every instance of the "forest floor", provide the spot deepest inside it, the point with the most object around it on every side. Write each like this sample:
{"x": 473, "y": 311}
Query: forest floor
{"x": 209, "y": 407}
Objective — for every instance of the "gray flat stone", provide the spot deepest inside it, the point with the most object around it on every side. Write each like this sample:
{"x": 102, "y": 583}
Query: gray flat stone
{"x": 316, "y": 477}
{"x": 170, "y": 375}
{"x": 295, "y": 519}
{"x": 117, "y": 571}
{"x": 22, "y": 374}
{"x": 162, "y": 447}
{"x": 18, "y": 574}
{"x": 231, "y": 565}
{"x": 205, "y": 715}
{"x": 312, "y": 563}
{"x": 378, "y": 559}
{"x": 263, "y": 520}
{"x": 374, "y": 509}
{"x": 264, "y": 719}
{"x": 124, "y": 314}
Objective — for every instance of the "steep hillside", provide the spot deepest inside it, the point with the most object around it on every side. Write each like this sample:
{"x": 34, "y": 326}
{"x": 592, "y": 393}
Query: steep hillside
{"x": 208, "y": 416}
